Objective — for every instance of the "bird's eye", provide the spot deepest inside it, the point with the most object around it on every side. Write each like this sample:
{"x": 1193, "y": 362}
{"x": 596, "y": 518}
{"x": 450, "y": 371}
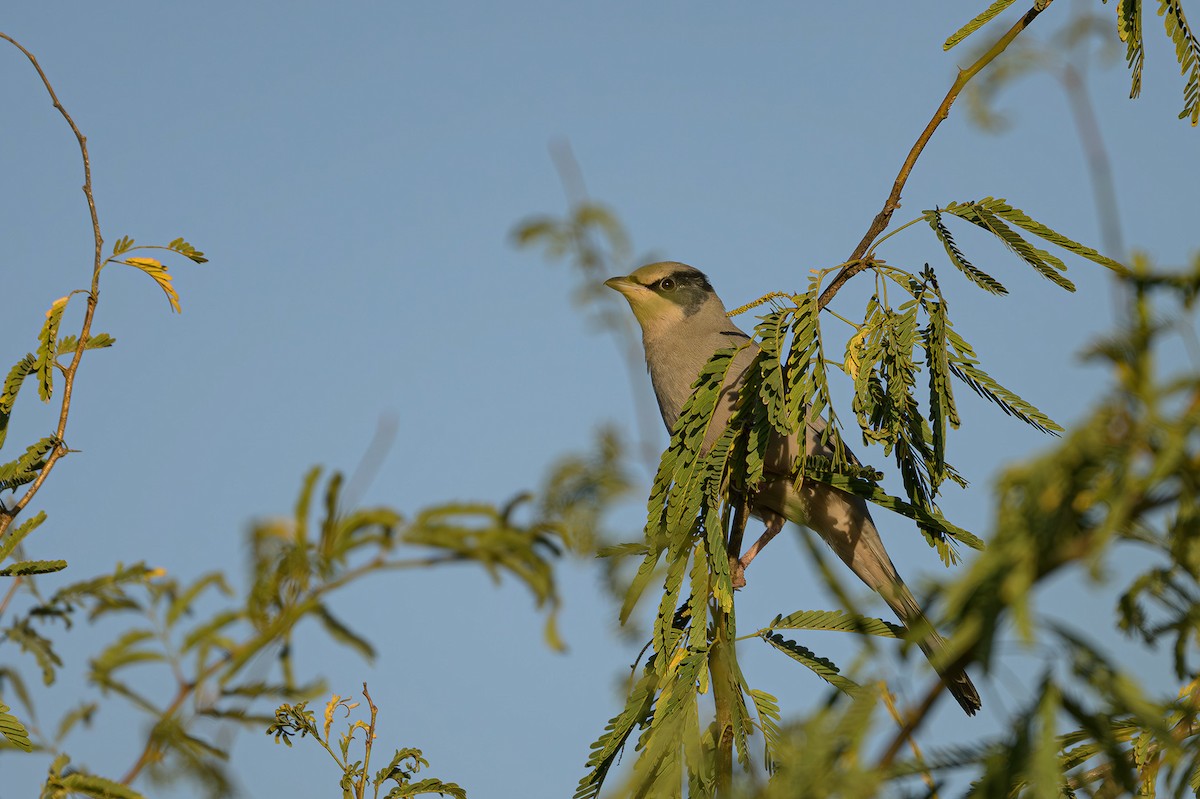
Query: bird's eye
{"x": 666, "y": 284}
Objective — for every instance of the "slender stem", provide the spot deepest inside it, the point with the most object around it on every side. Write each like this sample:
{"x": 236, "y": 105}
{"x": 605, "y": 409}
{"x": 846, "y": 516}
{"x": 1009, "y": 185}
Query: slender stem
{"x": 908, "y": 224}
{"x": 880, "y": 223}
{"x": 837, "y": 315}
{"x": 150, "y": 751}
{"x": 362, "y": 783}
{"x": 93, "y": 297}
{"x": 774, "y": 295}
{"x": 915, "y": 717}
{"x": 8, "y": 595}
{"x": 889, "y": 701}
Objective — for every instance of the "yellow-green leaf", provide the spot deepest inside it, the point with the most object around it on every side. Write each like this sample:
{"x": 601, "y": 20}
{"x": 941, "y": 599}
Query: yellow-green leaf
{"x": 154, "y": 268}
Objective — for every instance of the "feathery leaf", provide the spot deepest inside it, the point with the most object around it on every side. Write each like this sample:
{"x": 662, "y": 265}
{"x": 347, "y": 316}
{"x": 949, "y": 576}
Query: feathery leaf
{"x": 973, "y": 273}
{"x": 26, "y": 567}
{"x": 823, "y": 667}
{"x": 47, "y": 346}
{"x": 12, "y": 384}
{"x": 978, "y": 22}
{"x": 13, "y": 730}
{"x": 1187, "y": 53}
{"x": 14, "y": 536}
{"x": 836, "y": 620}
{"x": 155, "y": 269}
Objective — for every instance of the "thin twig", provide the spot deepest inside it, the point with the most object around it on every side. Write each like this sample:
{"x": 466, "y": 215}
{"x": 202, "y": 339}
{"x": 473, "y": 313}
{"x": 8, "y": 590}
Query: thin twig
{"x": 910, "y": 725}
{"x": 880, "y": 223}
{"x": 151, "y": 752}
{"x": 362, "y": 783}
{"x": 93, "y": 297}
{"x": 8, "y": 595}
{"x": 889, "y": 701}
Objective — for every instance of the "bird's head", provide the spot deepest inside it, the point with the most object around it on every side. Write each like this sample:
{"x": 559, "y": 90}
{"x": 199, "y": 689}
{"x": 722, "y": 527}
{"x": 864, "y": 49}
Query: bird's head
{"x": 664, "y": 294}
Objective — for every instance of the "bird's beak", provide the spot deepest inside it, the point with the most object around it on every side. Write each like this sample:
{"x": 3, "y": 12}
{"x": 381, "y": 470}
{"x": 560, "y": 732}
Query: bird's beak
{"x": 622, "y": 284}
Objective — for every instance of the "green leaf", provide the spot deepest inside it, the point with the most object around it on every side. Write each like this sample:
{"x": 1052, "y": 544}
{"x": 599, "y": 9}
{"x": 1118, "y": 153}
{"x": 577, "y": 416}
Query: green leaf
{"x": 973, "y": 273}
{"x": 68, "y": 344}
{"x": 14, "y": 536}
{"x": 674, "y": 720}
{"x": 339, "y": 632}
{"x": 182, "y": 603}
{"x": 304, "y": 504}
{"x": 97, "y": 787}
{"x": 125, "y": 651}
{"x": 823, "y": 667}
{"x": 25, "y": 567}
{"x": 12, "y": 384}
{"x": 83, "y": 712}
{"x": 942, "y": 408}
{"x": 183, "y": 248}
{"x": 1187, "y": 52}
{"x": 978, "y": 22}
{"x": 767, "y": 707}
{"x": 25, "y": 469}
{"x": 623, "y": 550}
{"x": 808, "y": 391}
{"x": 13, "y": 730}
{"x": 1047, "y": 265}
{"x": 641, "y": 578}
{"x": 604, "y": 751}
{"x": 23, "y": 635}
{"x": 928, "y": 517}
{"x": 122, "y": 245}
{"x": 427, "y": 786}
{"x": 965, "y": 366}
{"x": 47, "y": 346}
{"x": 1020, "y": 219}
{"x": 1129, "y": 28}
{"x": 836, "y": 620}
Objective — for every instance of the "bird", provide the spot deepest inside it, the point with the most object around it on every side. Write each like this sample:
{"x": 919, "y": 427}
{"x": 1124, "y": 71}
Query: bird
{"x": 683, "y": 324}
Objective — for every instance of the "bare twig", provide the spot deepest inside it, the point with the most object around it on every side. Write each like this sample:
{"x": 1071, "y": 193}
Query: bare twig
{"x": 880, "y": 223}
{"x": 910, "y": 725}
{"x": 362, "y": 783}
{"x": 889, "y": 701}
{"x": 6, "y": 516}
{"x": 8, "y": 595}
{"x": 151, "y": 752}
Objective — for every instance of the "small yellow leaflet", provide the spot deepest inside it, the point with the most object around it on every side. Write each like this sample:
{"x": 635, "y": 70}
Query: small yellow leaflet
{"x": 154, "y": 268}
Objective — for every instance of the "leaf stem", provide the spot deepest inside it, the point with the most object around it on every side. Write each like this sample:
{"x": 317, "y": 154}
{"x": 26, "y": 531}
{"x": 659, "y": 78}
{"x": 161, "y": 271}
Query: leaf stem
{"x": 880, "y": 223}
{"x": 908, "y": 224}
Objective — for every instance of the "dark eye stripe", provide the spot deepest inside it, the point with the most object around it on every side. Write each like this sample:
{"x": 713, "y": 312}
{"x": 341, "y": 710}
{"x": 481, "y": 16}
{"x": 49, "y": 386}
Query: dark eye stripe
{"x": 683, "y": 280}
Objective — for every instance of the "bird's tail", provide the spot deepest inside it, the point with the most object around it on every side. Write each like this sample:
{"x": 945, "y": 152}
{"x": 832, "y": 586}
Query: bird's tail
{"x": 933, "y": 645}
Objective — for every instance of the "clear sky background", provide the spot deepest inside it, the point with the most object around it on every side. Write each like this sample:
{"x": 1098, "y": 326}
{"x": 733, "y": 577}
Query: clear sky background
{"x": 353, "y": 171}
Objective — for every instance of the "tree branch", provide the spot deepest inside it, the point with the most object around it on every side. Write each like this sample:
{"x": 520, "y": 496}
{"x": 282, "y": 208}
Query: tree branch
{"x": 93, "y": 297}
{"x": 880, "y": 223}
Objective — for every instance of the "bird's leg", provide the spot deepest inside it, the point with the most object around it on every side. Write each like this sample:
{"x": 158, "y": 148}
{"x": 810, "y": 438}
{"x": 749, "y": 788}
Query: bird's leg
{"x": 774, "y": 525}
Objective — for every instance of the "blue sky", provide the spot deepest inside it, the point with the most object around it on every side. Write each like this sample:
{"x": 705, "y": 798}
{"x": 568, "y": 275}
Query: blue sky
{"x": 353, "y": 172}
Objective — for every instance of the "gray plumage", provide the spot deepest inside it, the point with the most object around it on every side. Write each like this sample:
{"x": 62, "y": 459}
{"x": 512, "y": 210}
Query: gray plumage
{"x": 683, "y": 323}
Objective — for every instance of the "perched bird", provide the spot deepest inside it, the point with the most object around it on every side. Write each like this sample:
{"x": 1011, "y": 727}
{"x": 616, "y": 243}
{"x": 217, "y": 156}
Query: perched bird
{"x": 683, "y": 323}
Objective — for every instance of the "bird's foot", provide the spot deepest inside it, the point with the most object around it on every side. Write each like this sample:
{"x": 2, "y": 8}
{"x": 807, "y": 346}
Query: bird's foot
{"x": 737, "y": 572}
